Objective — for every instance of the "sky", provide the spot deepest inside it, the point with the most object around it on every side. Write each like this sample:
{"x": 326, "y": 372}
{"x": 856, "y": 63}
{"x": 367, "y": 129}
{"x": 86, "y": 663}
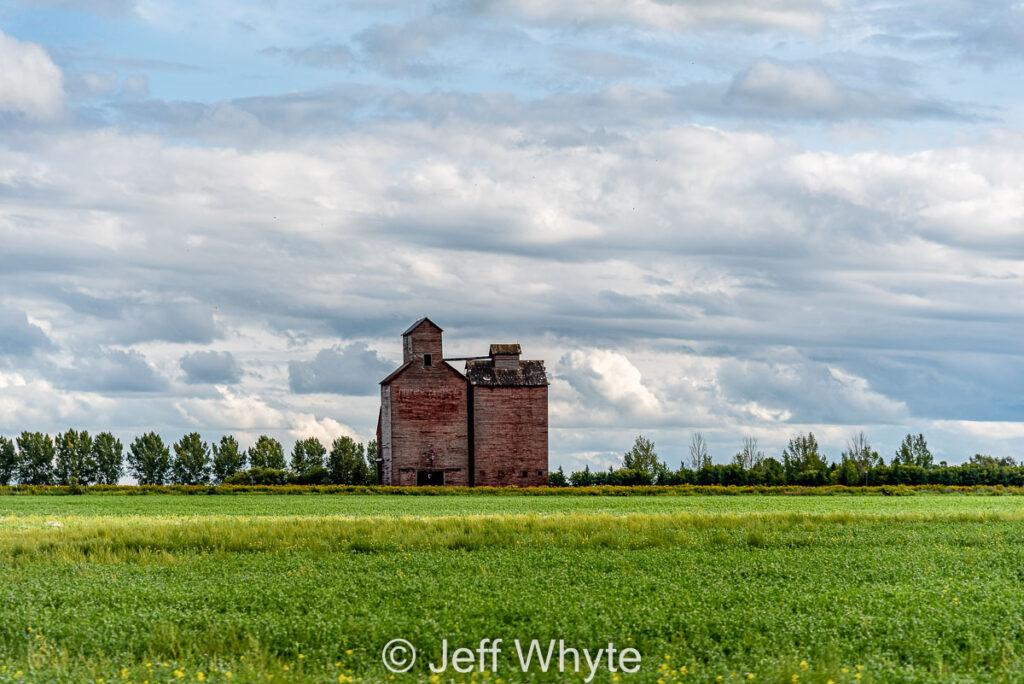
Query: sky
{"x": 734, "y": 218}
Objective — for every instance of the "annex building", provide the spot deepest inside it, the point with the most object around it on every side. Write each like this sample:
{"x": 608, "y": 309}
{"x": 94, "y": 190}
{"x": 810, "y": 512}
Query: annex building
{"x": 440, "y": 426}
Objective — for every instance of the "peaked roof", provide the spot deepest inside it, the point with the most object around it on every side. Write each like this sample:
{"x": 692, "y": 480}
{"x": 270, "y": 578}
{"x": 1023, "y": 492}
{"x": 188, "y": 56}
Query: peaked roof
{"x": 421, "y": 322}
{"x": 408, "y": 364}
{"x": 395, "y": 373}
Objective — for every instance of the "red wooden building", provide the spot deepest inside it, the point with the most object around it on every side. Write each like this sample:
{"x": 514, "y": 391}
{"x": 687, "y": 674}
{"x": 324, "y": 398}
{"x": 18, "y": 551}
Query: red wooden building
{"x": 438, "y": 426}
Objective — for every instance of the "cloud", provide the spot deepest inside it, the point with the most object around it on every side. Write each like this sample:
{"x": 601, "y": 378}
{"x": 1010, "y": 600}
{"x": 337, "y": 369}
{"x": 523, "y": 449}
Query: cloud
{"x": 604, "y": 64}
{"x": 28, "y": 403}
{"x": 605, "y": 378}
{"x": 796, "y": 389}
{"x": 113, "y": 7}
{"x": 18, "y": 336}
{"x": 989, "y": 33}
{"x": 210, "y": 367}
{"x": 326, "y": 55}
{"x": 697, "y": 269}
{"x": 30, "y": 83}
{"x": 404, "y": 49}
{"x": 113, "y": 370}
{"x": 769, "y": 88}
{"x": 352, "y": 369}
{"x": 803, "y": 16}
{"x": 252, "y": 416}
{"x": 169, "y": 321}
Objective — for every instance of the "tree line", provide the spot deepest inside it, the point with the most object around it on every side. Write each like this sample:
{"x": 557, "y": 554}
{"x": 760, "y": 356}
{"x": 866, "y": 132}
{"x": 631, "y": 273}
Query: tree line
{"x": 800, "y": 463}
{"x": 77, "y": 458}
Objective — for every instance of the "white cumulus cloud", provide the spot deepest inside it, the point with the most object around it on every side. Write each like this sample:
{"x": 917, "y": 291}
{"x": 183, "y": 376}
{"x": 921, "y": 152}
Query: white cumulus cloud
{"x": 30, "y": 83}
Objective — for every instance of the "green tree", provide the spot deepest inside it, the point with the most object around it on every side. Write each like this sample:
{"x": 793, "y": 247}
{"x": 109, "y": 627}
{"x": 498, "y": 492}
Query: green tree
{"x": 227, "y": 458}
{"x": 749, "y": 457}
{"x": 643, "y": 458}
{"x": 801, "y": 460}
{"x": 75, "y": 462}
{"x": 846, "y": 474}
{"x": 557, "y": 478}
{"x": 992, "y": 461}
{"x": 266, "y": 453}
{"x": 149, "y": 461}
{"x": 771, "y": 471}
{"x": 108, "y": 455}
{"x": 35, "y": 458}
{"x": 346, "y": 463}
{"x": 860, "y": 457}
{"x": 191, "y": 464}
{"x": 8, "y": 461}
{"x": 371, "y": 461}
{"x": 307, "y": 454}
{"x": 913, "y": 451}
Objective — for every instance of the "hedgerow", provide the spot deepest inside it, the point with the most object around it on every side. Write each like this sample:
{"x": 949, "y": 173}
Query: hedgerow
{"x": 603, "y": 490}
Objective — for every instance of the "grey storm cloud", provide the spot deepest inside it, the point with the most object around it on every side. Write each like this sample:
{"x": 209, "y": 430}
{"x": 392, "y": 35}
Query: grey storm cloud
{"x": 113, "y": 370}
{"x": 210, "y": 367}
{"x": 353, "y": 369}
{"x": 18, "y": 336}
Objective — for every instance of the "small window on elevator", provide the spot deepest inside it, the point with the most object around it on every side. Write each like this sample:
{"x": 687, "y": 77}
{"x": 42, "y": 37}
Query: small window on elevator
{"x": 427, "y": 360}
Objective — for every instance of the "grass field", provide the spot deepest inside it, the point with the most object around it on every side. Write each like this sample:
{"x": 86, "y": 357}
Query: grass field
{"x": 310, "y": 588}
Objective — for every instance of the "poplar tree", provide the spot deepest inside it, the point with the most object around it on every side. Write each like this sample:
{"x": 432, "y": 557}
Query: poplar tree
{"x": 266, "y": 453}
{"x": 307, "y": 454}
{"x": 227, "y": 458}
{"x": 149, "y": 461}
{"x": 8, "y": 461}
{"x": 75, "y": 462}
{"x": 108, "y": 454}
{"x": 191, "y": 464}
{"x": 35, "y": 459}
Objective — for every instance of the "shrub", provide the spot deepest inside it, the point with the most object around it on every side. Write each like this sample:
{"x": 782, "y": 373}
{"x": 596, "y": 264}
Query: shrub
{"x": 317, "y": 475}
{"x": 258, "y": 476}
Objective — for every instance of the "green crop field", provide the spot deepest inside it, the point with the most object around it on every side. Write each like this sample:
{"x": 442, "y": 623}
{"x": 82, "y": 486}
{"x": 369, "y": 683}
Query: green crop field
{"x": 310, "y": 588}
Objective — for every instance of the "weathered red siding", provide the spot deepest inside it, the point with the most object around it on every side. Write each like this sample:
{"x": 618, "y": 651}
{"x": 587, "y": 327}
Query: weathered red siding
{"x": 429, "y": 424}
{"x": 425, "y": 417}
{"x": 510, "y": 436}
